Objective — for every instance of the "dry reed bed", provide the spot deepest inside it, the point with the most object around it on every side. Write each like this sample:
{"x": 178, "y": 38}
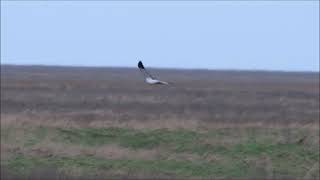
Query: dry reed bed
{"x": 102, "y": 94}
{"x": 276, "y": 105}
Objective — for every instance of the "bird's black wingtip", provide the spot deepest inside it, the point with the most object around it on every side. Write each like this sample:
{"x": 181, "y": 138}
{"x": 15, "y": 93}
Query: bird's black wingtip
{"x": 140, "y": 65}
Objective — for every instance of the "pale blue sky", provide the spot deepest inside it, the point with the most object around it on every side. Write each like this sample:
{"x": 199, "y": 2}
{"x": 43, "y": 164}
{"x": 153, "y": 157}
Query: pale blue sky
{"x": 264, "y": 35}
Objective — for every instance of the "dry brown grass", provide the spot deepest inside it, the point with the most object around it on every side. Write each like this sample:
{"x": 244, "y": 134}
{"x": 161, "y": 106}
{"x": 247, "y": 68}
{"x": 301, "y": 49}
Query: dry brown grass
{"x": 101, "y": 96}
{"x": 311, "y": 174}
{"x": 201, "y": 101}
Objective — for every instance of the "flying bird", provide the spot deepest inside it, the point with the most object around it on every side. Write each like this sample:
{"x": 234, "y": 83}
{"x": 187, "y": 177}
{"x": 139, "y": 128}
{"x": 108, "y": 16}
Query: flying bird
{"x": 148, "y": 77}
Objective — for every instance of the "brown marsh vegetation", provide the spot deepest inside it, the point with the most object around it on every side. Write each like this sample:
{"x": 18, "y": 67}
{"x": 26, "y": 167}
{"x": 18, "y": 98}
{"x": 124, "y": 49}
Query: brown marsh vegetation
{"x": 106, "y": 122}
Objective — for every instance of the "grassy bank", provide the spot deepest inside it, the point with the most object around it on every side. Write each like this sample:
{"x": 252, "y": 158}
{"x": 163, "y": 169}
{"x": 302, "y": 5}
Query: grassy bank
{"x": 120, "y": 152}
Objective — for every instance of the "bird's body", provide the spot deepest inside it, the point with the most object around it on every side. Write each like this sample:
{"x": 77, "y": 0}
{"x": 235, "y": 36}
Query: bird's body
{"x": 148, "y": 77}
{"x": 155, "y": 81}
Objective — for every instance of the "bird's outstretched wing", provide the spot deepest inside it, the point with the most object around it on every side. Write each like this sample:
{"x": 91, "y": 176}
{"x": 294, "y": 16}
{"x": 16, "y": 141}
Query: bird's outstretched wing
{"x": 144, "y": 71}
{"x": 148, "y": 77}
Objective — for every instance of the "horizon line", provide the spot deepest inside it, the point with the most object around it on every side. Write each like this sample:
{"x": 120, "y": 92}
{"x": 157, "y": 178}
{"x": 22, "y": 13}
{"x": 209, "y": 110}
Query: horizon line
{"x": 164, "y": 68}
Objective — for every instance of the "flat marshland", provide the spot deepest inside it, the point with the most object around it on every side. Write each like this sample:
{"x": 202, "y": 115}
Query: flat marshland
{"x": 101, "y": 123}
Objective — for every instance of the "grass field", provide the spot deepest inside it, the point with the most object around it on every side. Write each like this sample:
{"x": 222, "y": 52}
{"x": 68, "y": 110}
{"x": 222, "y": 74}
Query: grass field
{"x": 102, "y": 123}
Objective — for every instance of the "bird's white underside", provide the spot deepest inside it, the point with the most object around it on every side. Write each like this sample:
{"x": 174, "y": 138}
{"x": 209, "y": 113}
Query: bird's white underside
{"x": 155, "y": 81}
